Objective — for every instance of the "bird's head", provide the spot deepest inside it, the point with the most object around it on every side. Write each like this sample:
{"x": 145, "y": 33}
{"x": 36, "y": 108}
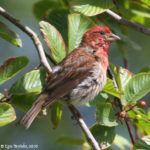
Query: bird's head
{"x": 99, "y": 38}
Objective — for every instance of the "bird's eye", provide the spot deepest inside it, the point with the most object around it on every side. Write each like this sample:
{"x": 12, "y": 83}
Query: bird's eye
{"x": 102, "y": 32}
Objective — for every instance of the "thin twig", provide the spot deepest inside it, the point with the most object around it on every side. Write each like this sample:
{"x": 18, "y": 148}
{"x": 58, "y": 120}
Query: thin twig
{"x": 122, "y": 108}
{"x": 45, "y": 63}
{"x": 84, "y": 127}
{"x": 117, "y": 6}
{"x": 124, "y": 21}
{"x": 31, "y": 34}
{"x": 51, "y": 59}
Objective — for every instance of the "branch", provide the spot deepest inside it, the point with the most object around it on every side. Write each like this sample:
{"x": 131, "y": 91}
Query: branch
{"x": 45, "y": 63}
{"x": 84, "y": 127}
{"x": 31, "y": 34}
{"x": 121, "y": 20}
{"x": 122, "y": 108}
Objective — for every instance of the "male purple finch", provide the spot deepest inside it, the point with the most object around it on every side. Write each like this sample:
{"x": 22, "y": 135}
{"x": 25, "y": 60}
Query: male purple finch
{"x": 80, "y": 76}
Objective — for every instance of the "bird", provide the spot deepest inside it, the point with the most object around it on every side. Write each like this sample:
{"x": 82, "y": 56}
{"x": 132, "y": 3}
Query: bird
{"x": 80, "y": 76}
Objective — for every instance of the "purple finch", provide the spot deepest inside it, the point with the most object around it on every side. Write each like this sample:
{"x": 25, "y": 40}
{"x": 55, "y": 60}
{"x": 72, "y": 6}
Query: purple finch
{"x": 80, "y": 76}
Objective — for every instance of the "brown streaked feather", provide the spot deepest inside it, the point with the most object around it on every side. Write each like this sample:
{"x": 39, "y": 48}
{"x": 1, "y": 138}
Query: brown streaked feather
{"x": 74, "y": 70}
{"x": 69, "y": 76}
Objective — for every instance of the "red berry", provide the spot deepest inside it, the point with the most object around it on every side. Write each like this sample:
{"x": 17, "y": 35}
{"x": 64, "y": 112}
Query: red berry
{"x": 142, "y": 104}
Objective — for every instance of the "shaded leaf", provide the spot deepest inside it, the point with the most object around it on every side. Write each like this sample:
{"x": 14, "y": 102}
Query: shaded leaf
{"x": 143, "y": 3}
{"x": 56, "y": 114}
{"x": 53, "y": 40}
{"x": 41, "y": 8}
{"x": 121, "y": 142}
{"x": 136, "y": 88}
{"x": 91, "y": 8}
{"x": 69, "y": 140}
{"x": 78, "y": 25}
{"x": 104, "y": 135}
{"x": 23, "y": 102}
{"x": 9, "y": 35}
{"x": 105, "y": 115}
{"x": 102, "y": 97}
{"x": 145, "y": 69}
{"x": 11, "y": 67}
{"x": 143, "y": 143}
{"x": 31, "y": 82}
{"x": 7, "y": 114}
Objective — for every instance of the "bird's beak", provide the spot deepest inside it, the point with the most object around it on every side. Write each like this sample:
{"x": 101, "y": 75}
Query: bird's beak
{"x": 112, "y": 37}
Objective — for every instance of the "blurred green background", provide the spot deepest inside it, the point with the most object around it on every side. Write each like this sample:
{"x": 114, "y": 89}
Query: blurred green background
{"x": 41, "y": 132}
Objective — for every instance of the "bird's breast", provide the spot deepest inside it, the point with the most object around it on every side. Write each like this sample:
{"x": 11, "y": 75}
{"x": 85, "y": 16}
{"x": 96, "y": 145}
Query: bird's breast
{"x": 89, "y": 87}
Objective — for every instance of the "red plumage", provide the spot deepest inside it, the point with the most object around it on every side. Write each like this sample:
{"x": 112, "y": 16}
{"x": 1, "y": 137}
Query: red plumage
{"x": 80, "y": 76}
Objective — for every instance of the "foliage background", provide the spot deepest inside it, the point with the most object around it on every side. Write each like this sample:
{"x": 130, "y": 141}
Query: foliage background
{"x": 41, "y": 131}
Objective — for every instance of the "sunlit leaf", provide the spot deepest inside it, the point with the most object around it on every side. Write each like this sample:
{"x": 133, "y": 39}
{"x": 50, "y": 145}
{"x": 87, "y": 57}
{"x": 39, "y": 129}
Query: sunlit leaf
{"x": 136, "y": 88}
{"x": 78, "y": 25}
{"x": 53, "y": 40}
{"x": 122, "y": 76}
{"x": 110, "y": 89}
{"x": 59, "y": 19}
{"x": 7, "y": 114}
{"x": 56, "y": 114}
{"x": 9, "y": 35}
{"x": 140, "y": 120}
{"x": 91, "y": 7}
{"x": 31, "y": 82}
{"x": 11, "y": 67}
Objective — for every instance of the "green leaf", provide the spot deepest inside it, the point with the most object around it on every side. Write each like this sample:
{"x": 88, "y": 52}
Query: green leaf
{"x": 41, "y": 8}
{"x": 9, "y": 35}
{"x": 105, "y": 115}
{"x": 11, "y": 67}
{"x": 143, "y": 3}
{"x": 104, "y": 135}
{"x": 110, "y": 89}
{"x": 136, "y": 88}
{"x": 1, "y": 95}
{"x": 68, "y": 140}
{"x": 135, "y": 13}
{"x": 86, "y": 146}
{"x": 140, "y": 119}
{"x": 59, "y": 19}
{"x": 102, "y": 97}
{"x": 78, "y": 25}
{"x": 56, "y": 114}
{"x": 121, "y": 142}
{"x": 7, "y": 114}
{"x": 143, "y": 143}
{"x": 122, "y": 76}
{"x": 145, "y": 69}
{"x": 31, "y": 82}
{"x": 23, "y": 102}
{"x": 91, "y": 7}
{"x": 53, "y": 40}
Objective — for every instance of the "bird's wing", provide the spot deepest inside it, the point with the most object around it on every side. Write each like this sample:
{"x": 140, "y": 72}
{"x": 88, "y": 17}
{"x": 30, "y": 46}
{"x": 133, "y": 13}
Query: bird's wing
{"x": 68, "y": 76}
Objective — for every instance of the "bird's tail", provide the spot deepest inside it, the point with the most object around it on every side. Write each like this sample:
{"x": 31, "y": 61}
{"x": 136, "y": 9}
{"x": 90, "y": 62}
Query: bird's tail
{"x": 33, "y": 112}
